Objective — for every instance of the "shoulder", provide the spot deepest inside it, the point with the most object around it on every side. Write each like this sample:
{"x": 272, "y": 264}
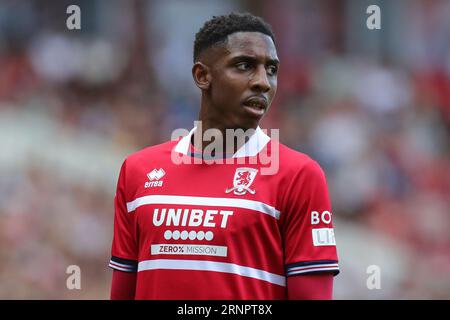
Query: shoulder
{"x": 150, "y": 153}
{"x": 304, "y": 180}
{"x": 153, "y": 155}
{"x": 137, "y": 165}
{"x": 294, "y": 162}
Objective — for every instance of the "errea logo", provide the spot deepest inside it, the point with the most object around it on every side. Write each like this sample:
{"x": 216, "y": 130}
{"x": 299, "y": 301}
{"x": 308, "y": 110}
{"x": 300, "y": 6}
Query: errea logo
{"x": 154, "y": 176}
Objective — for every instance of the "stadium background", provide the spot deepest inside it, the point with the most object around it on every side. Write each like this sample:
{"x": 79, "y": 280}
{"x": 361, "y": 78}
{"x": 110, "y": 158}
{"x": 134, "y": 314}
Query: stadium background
{"x": 373, "y": 107}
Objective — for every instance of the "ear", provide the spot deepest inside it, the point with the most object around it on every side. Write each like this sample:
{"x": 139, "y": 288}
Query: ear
{"x": 202, "y": 75}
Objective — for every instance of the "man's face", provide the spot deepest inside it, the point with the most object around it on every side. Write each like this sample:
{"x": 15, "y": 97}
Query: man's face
{"x": 243, "y": 80}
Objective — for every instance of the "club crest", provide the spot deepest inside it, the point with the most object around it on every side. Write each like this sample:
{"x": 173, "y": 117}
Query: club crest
{"x": 243, "y": 179}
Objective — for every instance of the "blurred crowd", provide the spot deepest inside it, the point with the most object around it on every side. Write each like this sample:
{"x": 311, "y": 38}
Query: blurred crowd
{"x": 372, "y": 107}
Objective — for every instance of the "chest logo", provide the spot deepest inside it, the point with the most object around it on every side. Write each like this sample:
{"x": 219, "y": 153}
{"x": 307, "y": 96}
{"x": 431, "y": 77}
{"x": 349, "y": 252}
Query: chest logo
{"x": 154, "y": 176}
{"x": 243, "y": 179}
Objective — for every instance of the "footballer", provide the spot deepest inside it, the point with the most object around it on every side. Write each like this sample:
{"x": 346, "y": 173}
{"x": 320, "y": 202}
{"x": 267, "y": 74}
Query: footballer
{"x": 208, "y": 230}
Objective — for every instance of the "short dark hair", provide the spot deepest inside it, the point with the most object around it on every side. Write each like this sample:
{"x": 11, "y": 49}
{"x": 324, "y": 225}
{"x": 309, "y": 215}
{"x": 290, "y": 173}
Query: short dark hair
{"x": 217, "y": 29}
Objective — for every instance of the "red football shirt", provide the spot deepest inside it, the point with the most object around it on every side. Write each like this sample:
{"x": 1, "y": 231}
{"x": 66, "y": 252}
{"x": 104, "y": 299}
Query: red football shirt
{"x": 205, "y": 230}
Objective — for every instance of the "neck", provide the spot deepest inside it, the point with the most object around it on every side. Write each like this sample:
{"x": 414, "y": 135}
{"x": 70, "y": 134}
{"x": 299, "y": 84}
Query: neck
{"x": 208, "y": 120}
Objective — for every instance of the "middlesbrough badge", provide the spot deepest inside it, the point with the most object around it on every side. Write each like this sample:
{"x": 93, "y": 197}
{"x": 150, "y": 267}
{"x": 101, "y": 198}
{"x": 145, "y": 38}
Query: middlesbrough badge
{"x": 243, "y": 179}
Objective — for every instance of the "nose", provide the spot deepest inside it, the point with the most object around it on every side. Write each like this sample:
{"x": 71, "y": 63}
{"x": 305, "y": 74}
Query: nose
{"x": 260, "y": 81}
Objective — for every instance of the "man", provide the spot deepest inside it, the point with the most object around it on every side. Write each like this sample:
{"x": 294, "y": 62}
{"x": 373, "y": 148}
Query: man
{"x": 213, "y": 230}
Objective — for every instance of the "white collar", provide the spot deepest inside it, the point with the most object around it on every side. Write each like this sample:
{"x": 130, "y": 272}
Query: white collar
{"x": 250, "y": 149}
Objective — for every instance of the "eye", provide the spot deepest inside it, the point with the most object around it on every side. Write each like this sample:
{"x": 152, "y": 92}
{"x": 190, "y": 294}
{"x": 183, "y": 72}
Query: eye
{"x": 272, "y": 70}
{"x": 243, "y": 66}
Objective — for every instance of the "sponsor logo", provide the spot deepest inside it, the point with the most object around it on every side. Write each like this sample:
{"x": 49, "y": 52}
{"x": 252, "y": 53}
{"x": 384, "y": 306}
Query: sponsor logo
{"x": 190, "y": 217}
{"x": 188, "y": 235}
{"x": 189, "y": 249}
{"x": 324, "y": 217}
{"x": 243, "y": 179}
{"x": 154, "y": 176}
{"x": 323, "y": 237}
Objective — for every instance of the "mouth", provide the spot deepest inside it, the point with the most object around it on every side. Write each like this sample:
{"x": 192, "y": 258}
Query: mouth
{"x": 256, "y": 106}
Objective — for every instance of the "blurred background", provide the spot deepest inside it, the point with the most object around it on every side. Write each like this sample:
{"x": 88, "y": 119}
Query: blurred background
{"x": 372, "y": 106}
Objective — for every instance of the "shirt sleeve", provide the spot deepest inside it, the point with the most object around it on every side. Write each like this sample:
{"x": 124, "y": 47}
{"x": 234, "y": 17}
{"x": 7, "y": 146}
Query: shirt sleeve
{"x": 124, "y": 253}
{"x": 307, "y": 228}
